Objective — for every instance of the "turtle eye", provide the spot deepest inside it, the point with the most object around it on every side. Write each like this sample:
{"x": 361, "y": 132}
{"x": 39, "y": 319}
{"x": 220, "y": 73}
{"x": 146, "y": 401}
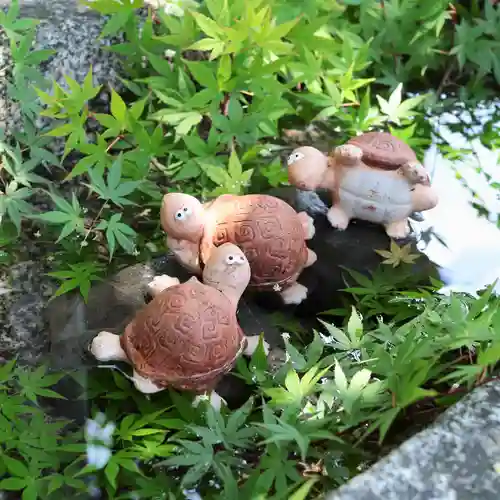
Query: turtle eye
{"x": 183, "y": 213}
{"x": 295, "y": 157}
{"x": 232, "y": 259}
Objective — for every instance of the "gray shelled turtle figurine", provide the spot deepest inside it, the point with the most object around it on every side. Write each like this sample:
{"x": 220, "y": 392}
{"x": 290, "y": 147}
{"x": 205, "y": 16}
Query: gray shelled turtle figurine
{"x": 270, "y": 232}
{"x": 374, "y": 177}
{"x": 188, "y": 336}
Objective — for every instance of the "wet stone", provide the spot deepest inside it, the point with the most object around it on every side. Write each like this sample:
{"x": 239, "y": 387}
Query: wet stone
{"x": 457, "y": 458}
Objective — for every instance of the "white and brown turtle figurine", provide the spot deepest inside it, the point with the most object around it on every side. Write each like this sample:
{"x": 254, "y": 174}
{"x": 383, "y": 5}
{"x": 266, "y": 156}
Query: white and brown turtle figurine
{"x": 188, "y": 336}
{"x": 374, "y": 177}
{"x": 271, "y": 234}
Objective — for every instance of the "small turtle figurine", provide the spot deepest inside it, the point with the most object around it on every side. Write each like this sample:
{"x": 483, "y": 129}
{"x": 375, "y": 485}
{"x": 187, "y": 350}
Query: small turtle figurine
{"x": 188, "y": 336}
{"x": 374, "y": 177}
{"x": 270, "y": 232}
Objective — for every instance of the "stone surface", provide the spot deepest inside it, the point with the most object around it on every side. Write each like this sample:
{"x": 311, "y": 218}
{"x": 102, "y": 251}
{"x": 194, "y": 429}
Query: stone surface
{"x": 112, "y": 304}
{"x": 24, "y": 293}
{"x": 457, "y": 458}
{"x": 72, "y": 30}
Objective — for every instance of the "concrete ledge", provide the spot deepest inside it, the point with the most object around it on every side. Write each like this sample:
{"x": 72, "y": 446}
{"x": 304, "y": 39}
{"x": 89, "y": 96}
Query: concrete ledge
{"x": 457, "y": 458}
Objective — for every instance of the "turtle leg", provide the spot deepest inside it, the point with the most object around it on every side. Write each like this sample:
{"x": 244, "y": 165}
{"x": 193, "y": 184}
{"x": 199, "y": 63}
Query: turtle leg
{"x": 145, "y": 385}
{"x": 308, "y": 224}
{"x": 294, "y": 294}
{"x": 160, "y": 283}
{"x": 311, "y": 258}
{"x": 186, "y": 253}
{"x": 338, "y": 217}
{"x": 398, "y": 229}
{"x": 215, "y": 400}
{"x": 253, "y": 343}
{"x": 106, "y": 346}
{"x": 348, "y": 155}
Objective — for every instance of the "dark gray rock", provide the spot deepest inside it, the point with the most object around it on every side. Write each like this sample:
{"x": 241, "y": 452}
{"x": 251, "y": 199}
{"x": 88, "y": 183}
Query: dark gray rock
{"x": 112, "y": 304}
{"x": 72, "y": 30}
{"x": 353, "y": 248}
{"x": 457, "y": 458}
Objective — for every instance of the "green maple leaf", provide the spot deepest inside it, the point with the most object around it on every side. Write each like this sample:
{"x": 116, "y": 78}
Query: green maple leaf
{"x": 13, "y": 203}
{"x": 69, "y": 214}
{"x": 97, "y": 154}
{"x": 79, "y": 276}
{"x": 397, "y": 255}
{"x": 117, "y": 231}
{"x": 112, "y": 188}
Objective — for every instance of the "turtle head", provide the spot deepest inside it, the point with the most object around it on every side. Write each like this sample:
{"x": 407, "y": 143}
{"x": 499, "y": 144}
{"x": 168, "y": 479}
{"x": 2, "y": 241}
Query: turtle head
{"x": 228, "y": 270}
{"x": 415, "y": 173}
{"x": 182, "y": 217}
{"x": 307, "y": 167}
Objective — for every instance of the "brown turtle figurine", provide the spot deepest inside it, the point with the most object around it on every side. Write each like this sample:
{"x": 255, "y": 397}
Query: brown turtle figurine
{"x": 374, "y": 177}
{"x": 188, "y": 336}
{"x": 270, "y": 232}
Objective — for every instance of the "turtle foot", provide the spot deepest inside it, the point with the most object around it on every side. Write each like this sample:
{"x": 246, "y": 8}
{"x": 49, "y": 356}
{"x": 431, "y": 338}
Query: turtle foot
{"x": 214, "y": 399}
{"x": 160, "y": 283}
{"x": 423, "y": 198}
{"x": 106, "y": 347}
{"x": 145, "y": 385}
{"x": 398, "y": 230}
{"x": 253, "y": 343}
{"x": 311, "y": 258}
{"x": 338, "y": 218}
{"x": 295, "y": 294}
{"x": 348, "y": 155}
{"x": 308, "y": 225}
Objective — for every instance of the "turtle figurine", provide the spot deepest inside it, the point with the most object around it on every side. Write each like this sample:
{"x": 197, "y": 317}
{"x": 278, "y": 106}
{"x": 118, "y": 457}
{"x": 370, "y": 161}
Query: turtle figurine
{"x": 270, "y": 232}
{"x": 188, "y": 336}
{"x": 375, "y": 177}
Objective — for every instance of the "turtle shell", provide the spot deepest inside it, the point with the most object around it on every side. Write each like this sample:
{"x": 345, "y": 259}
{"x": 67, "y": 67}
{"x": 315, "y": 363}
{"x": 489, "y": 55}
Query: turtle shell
{"x": 383, "y": 150}
{"x": 268, "y": 231}
{"x": 187, "y": 338}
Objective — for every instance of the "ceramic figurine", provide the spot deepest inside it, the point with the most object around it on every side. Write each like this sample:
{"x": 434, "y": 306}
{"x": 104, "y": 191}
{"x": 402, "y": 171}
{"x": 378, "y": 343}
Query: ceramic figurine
{"x": 374, "y": 177}
{"x": 268, "y": 230}
{"x": 188, "y": 336}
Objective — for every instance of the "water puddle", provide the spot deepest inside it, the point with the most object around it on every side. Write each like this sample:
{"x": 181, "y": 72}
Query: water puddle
{"x": 471, "y": 258}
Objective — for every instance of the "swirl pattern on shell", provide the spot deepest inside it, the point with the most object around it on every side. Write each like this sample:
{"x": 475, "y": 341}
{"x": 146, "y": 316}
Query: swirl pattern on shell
{"x": 186, "y": 337}
{"x": 383, "y": 150}
{"x": 268, "y": 231}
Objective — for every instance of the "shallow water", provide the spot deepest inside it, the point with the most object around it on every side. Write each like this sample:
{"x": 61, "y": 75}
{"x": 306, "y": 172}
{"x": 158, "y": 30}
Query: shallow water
{"x": 471, "y": 258}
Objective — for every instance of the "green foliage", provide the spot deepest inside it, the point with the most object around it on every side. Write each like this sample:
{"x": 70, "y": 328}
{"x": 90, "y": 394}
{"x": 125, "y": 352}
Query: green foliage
{"x": 78, "y": 276}
{"x": 35, "y": 455}
{"x": 215, "y": 123}
{"x": 303, "y": 432}
{"x": 207, "y": 104}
